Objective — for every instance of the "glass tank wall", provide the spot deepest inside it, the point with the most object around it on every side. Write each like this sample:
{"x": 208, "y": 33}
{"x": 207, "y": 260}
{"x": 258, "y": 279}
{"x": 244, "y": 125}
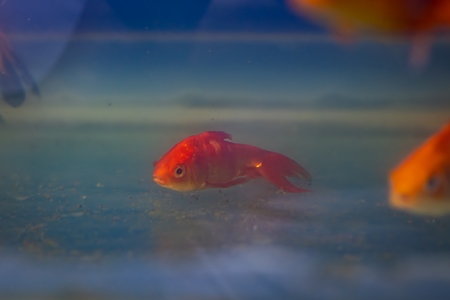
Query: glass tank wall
{"x": 95, "y": 93}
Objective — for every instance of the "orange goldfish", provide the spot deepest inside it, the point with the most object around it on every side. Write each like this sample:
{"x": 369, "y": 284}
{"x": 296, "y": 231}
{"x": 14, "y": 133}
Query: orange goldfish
{"x": 411, "y": 18}
{"x": 421, "y": 183}
{"x": 208, "y": 160}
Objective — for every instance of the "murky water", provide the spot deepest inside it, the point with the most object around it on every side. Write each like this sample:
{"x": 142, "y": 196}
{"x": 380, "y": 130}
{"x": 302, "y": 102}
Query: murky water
{"x": 80, "y": 217}
{"x": 120, "y": 83}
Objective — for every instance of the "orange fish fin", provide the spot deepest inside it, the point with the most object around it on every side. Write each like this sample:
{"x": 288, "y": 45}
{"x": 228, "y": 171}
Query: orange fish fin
{"x": 236, "y": 181}
{"x": 443, "y": 137}
{"x": 276, "y": 167}
{"x": 220, "y": 135}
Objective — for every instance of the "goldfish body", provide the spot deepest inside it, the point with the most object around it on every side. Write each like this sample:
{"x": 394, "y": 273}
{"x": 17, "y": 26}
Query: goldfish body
{"x": 410, "y": 18}
{"x": 208, "y": 160}
{"x": 421, "y": 183}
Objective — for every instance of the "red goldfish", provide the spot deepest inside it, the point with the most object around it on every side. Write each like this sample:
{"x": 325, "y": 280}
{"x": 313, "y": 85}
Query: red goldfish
{"x": 208, "y": 160}
{"x": 421, "y": 183}
{"x": 411, "y": 18}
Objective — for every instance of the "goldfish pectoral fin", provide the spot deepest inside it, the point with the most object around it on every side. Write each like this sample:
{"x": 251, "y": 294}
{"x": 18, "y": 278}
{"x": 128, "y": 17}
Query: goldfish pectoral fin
{"x": 236, "y": 181}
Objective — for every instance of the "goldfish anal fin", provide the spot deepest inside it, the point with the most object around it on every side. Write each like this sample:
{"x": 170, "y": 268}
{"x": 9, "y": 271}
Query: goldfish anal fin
{"x": 236, "y": 181}
{"x": 220, "y": 135}
{"x": 276, "y": 167}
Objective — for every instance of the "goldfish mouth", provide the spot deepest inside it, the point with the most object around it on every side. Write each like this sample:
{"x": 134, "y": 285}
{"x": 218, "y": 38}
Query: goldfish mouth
{"x": 158, "y": 180}
{"x": 421, "y": 205}
{"x": 400, "y": 200}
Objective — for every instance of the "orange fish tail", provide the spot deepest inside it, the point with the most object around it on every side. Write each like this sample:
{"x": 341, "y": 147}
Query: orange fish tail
{"x": 276, "y": 167}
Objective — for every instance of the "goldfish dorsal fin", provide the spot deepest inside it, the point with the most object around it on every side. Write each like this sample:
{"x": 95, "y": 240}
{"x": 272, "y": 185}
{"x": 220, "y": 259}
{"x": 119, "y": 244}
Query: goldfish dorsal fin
{"x": 220, "y": 135}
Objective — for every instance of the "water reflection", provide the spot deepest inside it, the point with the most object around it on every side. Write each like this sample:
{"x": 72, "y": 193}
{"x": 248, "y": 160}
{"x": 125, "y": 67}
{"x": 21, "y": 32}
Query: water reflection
{"x": 26, "y": 54}
{"x": 15, "y": 78}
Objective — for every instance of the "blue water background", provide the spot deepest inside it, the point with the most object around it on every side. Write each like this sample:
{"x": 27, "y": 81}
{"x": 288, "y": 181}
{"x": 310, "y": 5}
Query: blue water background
{"x": 80, "y": 216}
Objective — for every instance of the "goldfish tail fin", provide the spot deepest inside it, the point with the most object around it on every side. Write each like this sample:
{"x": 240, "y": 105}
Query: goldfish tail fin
{"x": 276, "y": 167}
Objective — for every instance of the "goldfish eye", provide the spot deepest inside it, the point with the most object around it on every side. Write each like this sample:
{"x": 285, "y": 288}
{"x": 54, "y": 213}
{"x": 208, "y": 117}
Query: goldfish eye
{"x": 179, "y": 171}
{"x": 432, "y": 184}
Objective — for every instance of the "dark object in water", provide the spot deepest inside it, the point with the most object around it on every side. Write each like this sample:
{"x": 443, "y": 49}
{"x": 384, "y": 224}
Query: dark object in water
{"x": 14, "y": 76}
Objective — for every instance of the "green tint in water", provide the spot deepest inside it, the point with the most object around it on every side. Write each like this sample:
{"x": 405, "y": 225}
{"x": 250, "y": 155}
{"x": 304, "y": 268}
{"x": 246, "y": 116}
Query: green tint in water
{"x": 82, "y": 194}
{"x": 86, "y": 191}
